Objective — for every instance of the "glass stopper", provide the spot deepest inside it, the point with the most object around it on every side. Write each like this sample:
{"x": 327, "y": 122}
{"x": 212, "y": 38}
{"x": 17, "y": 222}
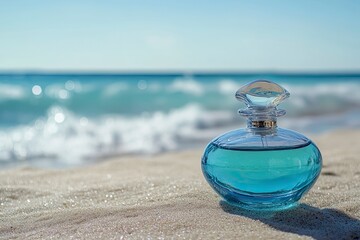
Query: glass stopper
{"x": 262, "y": 94}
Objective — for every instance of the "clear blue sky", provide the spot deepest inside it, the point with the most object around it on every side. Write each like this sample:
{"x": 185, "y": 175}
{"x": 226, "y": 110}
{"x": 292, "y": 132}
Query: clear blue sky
{"x": 180, "y": 35}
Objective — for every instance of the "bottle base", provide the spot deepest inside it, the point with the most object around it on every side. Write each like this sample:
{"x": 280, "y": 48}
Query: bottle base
{"x": 265, "y": 202}
{"x": 263, "y": 207}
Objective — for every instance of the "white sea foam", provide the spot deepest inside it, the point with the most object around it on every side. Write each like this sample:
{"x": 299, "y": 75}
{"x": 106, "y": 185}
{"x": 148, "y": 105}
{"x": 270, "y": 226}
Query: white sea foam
{"x": 8, "y": 91}
{"x": 115, "y": 88}
{"x": 64, "y": 91}
{"x": 228, "y": 86}
{"x": 321, "y": 123}
{"x": 347, "y": 91}
{"x": 62, "y": 136}
{"x": 187, "y": 86}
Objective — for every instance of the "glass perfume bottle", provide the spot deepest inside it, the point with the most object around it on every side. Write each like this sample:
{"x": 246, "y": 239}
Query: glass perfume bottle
{"x": 262, "y": 166}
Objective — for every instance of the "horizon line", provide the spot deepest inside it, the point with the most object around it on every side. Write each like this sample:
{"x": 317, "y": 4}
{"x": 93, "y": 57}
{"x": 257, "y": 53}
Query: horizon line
{"x": 181, "y": 72}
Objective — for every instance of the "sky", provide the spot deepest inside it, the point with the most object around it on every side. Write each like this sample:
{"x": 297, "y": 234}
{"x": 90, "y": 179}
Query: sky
{"x": 187, "y": 35}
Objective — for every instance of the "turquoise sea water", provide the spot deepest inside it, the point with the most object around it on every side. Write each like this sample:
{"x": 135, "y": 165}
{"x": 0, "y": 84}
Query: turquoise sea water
{"x": 92, "y": 116}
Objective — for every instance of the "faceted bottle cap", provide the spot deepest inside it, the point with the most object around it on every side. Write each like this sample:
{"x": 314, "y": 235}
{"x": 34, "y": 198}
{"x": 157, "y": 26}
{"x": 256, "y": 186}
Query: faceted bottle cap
{"x": 262, "y": 94}
{"x": 262, "y": 98}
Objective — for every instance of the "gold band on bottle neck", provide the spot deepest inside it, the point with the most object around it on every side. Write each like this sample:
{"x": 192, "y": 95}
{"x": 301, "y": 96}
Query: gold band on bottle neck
{"x": 263, "y": 124}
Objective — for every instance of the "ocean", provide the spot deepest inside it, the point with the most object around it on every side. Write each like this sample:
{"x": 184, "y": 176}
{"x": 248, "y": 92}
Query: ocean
{"x": 59, "y": 120}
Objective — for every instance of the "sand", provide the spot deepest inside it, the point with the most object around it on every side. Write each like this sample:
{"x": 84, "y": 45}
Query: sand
{"x": 166, "y": 196}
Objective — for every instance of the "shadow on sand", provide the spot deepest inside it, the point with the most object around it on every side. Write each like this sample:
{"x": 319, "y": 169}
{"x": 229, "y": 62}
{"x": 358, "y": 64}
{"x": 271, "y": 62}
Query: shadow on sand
{"x": 305, "y": 220}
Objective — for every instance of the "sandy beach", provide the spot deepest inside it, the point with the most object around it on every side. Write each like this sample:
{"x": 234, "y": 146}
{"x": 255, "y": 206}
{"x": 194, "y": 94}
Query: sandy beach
{"x": 165, "y": 196}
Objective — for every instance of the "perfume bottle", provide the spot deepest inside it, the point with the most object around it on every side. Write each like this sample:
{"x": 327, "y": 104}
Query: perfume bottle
{"x": 261, "y": 167}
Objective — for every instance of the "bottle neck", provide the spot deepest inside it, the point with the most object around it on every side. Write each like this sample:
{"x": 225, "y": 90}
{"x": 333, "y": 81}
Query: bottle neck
{"x": 262, "y": 118}
{"x": 262, "y": 124}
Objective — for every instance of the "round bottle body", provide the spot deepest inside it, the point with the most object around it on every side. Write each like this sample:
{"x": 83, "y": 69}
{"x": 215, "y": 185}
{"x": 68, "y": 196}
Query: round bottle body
{"x": 261, "y": 176}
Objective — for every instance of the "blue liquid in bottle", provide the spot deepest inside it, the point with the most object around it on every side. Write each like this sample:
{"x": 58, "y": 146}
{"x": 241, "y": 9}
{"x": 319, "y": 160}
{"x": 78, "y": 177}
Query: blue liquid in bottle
{"x": 261, "y": 167}
{"x": 260, "y": 179}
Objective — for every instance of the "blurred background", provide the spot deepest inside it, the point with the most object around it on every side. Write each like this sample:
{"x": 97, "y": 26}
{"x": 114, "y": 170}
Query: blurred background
{"x": 82, "y": 81}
